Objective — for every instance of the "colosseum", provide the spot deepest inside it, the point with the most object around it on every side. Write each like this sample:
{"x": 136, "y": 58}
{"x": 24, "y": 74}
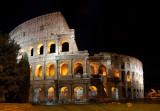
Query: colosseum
{"x": 60, "y": 73}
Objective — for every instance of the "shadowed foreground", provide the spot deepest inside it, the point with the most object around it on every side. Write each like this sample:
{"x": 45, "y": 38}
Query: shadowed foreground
{"x": 89, "y": 107}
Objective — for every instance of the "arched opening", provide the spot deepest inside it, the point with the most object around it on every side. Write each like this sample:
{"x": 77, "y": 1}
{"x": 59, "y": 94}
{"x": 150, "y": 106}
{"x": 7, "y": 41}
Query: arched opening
{"x": 38, "y": 95}
{"x": 140, "y": 93}
{"x": 51, "y": 47}
{"x": 78, "y": 93}
{"x": 50, "y": 70}
{"x": 115, "y": 93}
{"x": 30, "y": 71}
{"x": 134, "y": 94}
{"x": 102, "y": 70}
{"x": 128, "y": 76}
{"x": 78, "y": 68}
{"x": 50, "y": 95}
{"x": 64, "y": 46}
{"x": 116, "y": 73}
{"x": 137, "y": 93}
{"x": 137, "y": 76}
{"x": 92, "y": 93}
{"x": 38, "y": 71}
{"x": 30, "y": 51}
{"x": 129, "y": 92}
{"x": 63, "y": 69}
{"x": 63, "y": 95}
{"x": 40, "y": 49}
{"x": 123, "y": 76}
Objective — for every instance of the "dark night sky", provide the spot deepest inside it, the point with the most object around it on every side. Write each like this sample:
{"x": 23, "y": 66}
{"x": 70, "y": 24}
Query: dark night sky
{"x": 123, "y": 27}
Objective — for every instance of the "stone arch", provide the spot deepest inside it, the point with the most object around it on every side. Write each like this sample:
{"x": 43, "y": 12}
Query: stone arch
{"x": 134, "y": 94}
{"x": 64, "y": 47}
{"x": 40, "y": 49}
{"x": 63, "y": 69}
{"x": 37, "y": 95}
{"x": 50, "y": 70}
{"x": 137, "y": 93}
{"x": 50, "y": 95}
{"x": 137, "y": 76}
{"x": 38, "y": 71}
{"x": 116, "y": 73}
{"x": 92, "y": 93}
{"x": 128, "y": 76}
{"x": 63, "y": 94}
{"x": 115, "y": 94}
{"x": 140, "y": 93}
{"x": 51, "y": 47}
{"x": 78, "y": 93}
{"x": 30, "y": 51}
{"x": 78, "y": 68}
{"x": 129, "y": 93}
{"x": 102, "y": 70}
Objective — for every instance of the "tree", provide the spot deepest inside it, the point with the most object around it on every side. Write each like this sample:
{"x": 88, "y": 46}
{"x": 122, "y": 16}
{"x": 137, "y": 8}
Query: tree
{"x": 24, "y": 69}
{"x": 9, "y": 73}
{"x": 14, "y": 76}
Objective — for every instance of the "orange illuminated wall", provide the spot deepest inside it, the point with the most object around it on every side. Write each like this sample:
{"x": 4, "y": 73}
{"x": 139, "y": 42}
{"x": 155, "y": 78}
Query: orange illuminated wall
{"x": 116, "y": 73}
{"x": 63, "y": 69}
{"x": 50, "y": 70}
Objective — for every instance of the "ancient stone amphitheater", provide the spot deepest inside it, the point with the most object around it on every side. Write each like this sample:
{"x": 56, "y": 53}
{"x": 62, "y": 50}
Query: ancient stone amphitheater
{"x": 60, "y": 73}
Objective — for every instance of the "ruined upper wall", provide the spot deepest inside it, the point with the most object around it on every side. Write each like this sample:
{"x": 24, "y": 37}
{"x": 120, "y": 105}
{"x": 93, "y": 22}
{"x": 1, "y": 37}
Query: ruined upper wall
{"x": 131, "y": 62}
{"x": 42, "y": 26}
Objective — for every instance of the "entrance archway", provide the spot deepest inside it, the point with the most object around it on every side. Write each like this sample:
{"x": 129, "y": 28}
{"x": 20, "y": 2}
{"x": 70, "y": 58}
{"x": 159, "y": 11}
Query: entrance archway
{"x": 129, "y": 93}
{"x": 63, "y": 69}
{"x": 63, "y": 95}
{"x": 78, "y": 93}
{"x": 50, "y": 95}
{"x": 134, "y": 94}
{"x": 78, "y": 68}
{"x": 115, "y": 93}
{"x": 37, "y": 95}
{"x": 92, "y": 93}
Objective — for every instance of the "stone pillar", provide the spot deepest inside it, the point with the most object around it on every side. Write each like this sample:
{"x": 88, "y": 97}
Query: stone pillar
{"x": 57, "y": 46}
{"x": 100, "y": 93}
{"x": 85, "y": 67}
{"x": 85, "y": 93}
{"x": 56, "y": 96}
{"x": 56, "y": 69}
{"x": 43, "y": 96}
{"x": 70, "y": 67}
{"x": 70, "y": 92}
{"x": 43, "y": 70}
{"x": 35, "y": 50}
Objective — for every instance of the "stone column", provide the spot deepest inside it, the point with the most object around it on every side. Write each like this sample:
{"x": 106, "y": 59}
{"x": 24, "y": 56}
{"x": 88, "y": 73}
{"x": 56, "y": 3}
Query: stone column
{"x": 71, "y": 66}
{"x": 43, "y": 70}
{"x": 56, "y": 94}
{"x": 85, "y": 93}
{"x": 85, "y": 67}
{"x": 57, "y": 45}
{"x": 70, "y": 92}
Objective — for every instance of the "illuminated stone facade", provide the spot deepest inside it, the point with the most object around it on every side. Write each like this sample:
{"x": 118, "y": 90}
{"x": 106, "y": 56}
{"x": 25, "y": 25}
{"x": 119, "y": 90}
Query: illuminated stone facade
{"x": 61, "y": 73}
